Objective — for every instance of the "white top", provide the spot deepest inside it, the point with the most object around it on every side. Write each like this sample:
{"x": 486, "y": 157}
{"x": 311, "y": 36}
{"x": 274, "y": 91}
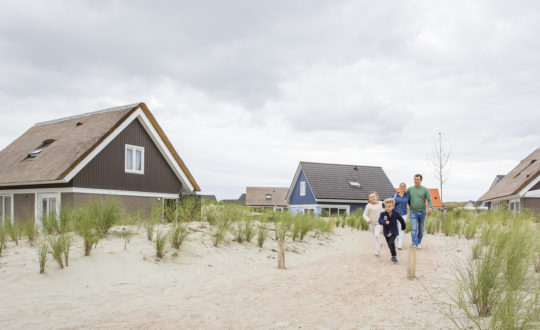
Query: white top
{"x": 372, "y": 213}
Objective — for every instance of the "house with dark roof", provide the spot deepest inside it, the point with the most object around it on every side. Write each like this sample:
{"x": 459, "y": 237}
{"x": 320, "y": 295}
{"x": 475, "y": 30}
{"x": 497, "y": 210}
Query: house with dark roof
{"x": 519, "y": 189}
{"x": 334, "y": 189}
{"x": 267, "y": 197}
{"x": 121, "y": 152}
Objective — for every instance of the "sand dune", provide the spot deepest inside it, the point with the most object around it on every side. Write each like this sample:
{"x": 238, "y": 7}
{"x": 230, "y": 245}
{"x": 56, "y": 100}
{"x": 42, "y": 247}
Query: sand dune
{"x": 330, "y": 282}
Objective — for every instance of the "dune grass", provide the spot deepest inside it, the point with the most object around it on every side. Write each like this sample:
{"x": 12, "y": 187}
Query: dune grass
{"x": 161, "y": 241}
{"x": 262, "y": 234}
{"x": 497, "y": 287}
{"x": 42, "y": 256}
{"x": 31, "y": 231}
{"x": 178, "y": 235}
{"x": 56, "y": 249}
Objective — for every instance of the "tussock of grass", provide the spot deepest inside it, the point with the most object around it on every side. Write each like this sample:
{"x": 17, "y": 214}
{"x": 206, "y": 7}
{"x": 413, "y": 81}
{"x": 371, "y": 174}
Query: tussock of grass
{"x": 262, "y": 234}
{"x": 56, "y": 249}
{"x": 249, "y": 231}
{"x": 42, "y": 256}
{"x": 149, "y": 228}
{"x": 31, "y": 231}
{"x": 497, "y": 288}
{"x": 218, "y": 234}
{"x": 178, "y": 234}
{"x": 161, "y": 240}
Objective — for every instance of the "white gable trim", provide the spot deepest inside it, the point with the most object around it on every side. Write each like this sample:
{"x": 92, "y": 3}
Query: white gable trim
{"x": 524, "y": 191}
{"x": 293, "y": 184}
{"x": 354, "y": 201}
{"x": 138, "y": 114}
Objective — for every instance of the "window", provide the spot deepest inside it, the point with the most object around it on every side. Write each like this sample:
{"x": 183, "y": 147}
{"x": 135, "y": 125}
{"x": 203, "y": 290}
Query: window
{"x": 302, "y": 188}
{"x": 355, "y": 184}
{"x": 268, "y": 197}
{"x": 38, "y": 150}
{"x": 47, "y": 207}
{"x": 5, "y": 209}
{"x": 134, "y": 160}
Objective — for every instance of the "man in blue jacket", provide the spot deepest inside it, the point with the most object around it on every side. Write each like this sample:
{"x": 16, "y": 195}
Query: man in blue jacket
{"x": 389, "y": 220}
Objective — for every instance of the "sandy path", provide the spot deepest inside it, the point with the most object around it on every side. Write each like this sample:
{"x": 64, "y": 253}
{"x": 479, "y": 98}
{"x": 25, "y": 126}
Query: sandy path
{"x": 332, "y": 282}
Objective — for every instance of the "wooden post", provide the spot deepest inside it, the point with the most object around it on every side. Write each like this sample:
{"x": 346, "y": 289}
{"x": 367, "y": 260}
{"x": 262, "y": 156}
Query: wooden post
{"x": 331, "y": 225}
{"x": 281, "y": 254}
{"x": 412, "y": 262}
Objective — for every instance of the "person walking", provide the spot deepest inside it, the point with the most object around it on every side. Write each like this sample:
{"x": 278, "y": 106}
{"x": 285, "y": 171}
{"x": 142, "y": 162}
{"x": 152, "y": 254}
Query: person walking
{"x": 418, "y": 197}
{"x": 402, "y": 199}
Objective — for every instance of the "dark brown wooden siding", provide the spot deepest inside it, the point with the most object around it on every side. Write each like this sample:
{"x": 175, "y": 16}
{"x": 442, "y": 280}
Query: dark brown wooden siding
{"x": 23, "y": 207}
{"x": 531, "y": 203}
{"x": 106, "y": 170}
{"x": 131, "y": 204}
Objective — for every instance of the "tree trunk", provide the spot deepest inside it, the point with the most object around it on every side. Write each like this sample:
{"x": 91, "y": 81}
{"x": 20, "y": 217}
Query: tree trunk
{"x": 281, "y": 255}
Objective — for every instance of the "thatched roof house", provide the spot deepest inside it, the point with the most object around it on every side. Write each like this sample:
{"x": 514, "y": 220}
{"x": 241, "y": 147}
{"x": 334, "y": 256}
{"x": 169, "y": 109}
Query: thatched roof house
{"x": 518, "y": 189}
{"x": 119, "y": 151}
{"x": 267, "y": 197}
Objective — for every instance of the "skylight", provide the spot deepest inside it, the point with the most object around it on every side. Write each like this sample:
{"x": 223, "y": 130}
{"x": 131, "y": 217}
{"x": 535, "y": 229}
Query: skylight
{"x": 355, "y": 184}
{"x": 38, "y": 150}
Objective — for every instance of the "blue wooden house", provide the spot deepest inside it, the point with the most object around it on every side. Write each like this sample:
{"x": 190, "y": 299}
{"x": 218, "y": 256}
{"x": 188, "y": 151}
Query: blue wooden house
{"x": 334, "y": 189}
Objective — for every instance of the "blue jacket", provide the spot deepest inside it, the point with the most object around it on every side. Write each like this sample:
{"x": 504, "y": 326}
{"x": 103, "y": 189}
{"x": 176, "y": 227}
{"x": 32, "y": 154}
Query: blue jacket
{"x": 393, "y": 226}
{"x": 401, "y": 203}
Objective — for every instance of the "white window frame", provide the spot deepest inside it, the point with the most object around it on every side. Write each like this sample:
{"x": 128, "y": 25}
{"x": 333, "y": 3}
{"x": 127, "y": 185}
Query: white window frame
{"x": 38, "y": 209}
{"x": 268, "y": 197}
{"x": 302, "y": 188}
{"x": 134, "y": 152}
{"x": 10, "y": 196}
{"x": 515, "y": 205}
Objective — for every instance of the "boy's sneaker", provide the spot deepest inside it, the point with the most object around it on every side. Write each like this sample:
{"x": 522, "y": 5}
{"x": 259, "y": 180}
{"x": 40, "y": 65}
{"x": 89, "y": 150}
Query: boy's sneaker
{"x": 378, "y": 254}
{"x": 394, "y": 259}
{"x": 419, "y": 246}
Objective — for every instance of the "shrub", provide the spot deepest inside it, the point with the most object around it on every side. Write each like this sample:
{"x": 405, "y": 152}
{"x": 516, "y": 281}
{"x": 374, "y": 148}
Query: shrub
{"x": 178, "y": 234}
{"x": 161, "y": 240}
{"x": 470, "y": 229}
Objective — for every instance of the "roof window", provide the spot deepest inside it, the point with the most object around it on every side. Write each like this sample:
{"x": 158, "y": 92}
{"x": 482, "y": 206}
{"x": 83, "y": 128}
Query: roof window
{"x": 38, "y": 150}
{"x": 354, "y": 184}
{"x": 532, "y": 162}
{"x": 268, "y": 197}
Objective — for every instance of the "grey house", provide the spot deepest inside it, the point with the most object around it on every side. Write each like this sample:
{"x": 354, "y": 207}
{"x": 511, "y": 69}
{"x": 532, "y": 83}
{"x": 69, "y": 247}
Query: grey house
{"x": 333, "y": 189}
{"x": 519, "y": 189}
{"x": 121, "y": 152}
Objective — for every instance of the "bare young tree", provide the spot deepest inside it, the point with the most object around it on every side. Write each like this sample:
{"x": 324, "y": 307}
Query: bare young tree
{"x": 440, "y": 155}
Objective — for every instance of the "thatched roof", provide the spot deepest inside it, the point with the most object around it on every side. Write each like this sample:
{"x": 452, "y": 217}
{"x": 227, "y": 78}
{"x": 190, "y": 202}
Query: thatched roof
{"x": 74, "y": 138}
{"x": 517, "y": 179}
{"x": 256, "y": 196}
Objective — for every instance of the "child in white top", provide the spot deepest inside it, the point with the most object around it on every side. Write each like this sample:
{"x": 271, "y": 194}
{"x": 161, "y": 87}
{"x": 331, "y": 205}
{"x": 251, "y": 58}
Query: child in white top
{"x": 371, "y": 215}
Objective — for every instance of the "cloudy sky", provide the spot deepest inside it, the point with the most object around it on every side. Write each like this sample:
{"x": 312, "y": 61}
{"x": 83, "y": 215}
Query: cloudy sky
{"x": 247, "y": 89}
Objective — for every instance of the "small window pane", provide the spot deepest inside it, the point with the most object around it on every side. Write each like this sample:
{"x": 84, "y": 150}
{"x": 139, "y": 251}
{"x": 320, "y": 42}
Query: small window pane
{"x": 138, "y": 162}
{"x": 44, "y": 208}
{"x": 1, "y": 208}
{"x": 52, "y": 205}
{"x": 7, "y": 207}
{"x": 129, "y": 159}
